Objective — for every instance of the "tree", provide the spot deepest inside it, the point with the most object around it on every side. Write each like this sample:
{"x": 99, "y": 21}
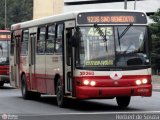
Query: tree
{"x": 17, "y": 11}
{"x": 2, "y": 16}
{"x": 155, "y": 30}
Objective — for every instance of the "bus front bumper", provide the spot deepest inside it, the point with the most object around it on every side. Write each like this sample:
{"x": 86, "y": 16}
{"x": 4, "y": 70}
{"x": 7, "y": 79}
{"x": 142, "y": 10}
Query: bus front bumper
{"x": 86, "y": 92}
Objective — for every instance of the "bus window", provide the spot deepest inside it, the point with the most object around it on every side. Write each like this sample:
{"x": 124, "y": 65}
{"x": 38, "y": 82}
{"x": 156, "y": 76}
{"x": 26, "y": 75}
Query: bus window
{"x": 51, "y": 39}
{"x": 59, "y": 38}
{"x": 12, "y": 43}
{"x": 93, "y": 51}
{"x": 130, "y": 48}
{"x": 69, "y": 46}
{"x": 41, "y": 40}
{"x": 25, "y": 38}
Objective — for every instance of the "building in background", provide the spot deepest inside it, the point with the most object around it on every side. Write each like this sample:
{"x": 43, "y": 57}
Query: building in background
{"x": 52, "y": 7}
{"x": 144, "y": 5}
{"x": 148, "y": 6}
{"x": 44, "y": 8}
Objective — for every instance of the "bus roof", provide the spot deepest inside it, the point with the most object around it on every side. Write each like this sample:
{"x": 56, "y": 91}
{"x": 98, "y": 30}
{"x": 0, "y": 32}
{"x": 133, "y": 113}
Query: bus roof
{"x": 4, "y": 31}
{"x": 45, "y": 20}
{"x": 61, "y": 17}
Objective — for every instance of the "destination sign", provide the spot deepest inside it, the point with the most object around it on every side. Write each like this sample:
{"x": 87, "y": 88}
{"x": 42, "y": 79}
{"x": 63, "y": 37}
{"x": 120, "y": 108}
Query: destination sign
{"x": 5, "y": 36}
{"x": 111, "y": 18}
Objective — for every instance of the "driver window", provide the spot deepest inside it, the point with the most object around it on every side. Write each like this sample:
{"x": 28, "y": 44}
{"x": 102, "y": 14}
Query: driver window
{"x": 50, "y": 40}
{"x": 58, "y": 45}
{"x": 41, "y": 40}
{"x": 141, "y": 41}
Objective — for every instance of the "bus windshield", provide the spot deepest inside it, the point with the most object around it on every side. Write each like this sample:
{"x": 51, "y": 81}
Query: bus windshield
{"x": 4, "y": 52}
{"x": 123, "y": 47}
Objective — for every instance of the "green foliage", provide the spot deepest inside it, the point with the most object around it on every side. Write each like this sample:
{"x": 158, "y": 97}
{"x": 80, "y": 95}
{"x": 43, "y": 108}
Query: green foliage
{"x": 17, "y": 11}
{"x": 155, "y": 29}
{"x": 156, "y": 16}
{"x": 2, "y": 4}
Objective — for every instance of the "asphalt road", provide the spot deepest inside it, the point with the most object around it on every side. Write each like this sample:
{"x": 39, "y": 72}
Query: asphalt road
{"x": 14, "y": 107}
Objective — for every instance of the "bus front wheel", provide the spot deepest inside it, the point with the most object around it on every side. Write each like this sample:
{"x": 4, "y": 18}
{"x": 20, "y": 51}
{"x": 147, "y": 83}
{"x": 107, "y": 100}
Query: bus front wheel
{"x": 123, "y": 101}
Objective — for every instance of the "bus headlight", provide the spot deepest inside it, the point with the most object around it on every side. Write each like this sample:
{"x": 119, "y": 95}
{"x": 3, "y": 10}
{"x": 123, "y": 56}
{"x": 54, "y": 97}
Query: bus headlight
{"x": 92, "y": 83}
{"x": 138, "y": 82}
{"x": 144, "y": 81}
{"x": 86, "y": 82}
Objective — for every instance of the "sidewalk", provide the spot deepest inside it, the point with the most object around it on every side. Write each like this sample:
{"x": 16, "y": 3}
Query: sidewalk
{"x": 156, "y": 82}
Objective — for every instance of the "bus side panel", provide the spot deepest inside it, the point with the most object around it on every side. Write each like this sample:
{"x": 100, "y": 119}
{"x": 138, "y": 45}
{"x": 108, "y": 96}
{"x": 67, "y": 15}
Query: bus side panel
{"x": 50, "y": 72}
{"x": 53, "y": 67}
{"x": 40, "y": 74}
{"x": 24, "y": 69}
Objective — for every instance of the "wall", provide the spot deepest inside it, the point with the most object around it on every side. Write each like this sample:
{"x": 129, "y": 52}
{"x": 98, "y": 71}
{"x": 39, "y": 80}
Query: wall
{"x": 42, "y": 8}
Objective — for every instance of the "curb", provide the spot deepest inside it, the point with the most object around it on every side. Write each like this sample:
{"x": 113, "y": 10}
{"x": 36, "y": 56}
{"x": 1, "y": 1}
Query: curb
{"x": 156, "y": 87}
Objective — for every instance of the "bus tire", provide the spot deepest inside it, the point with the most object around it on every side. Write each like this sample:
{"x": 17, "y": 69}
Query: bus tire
{"x": 25, "y": 93}
{"x": 123, "y": 101}
{"x": 60, "y": 94}
{"x": 1, "y": 84}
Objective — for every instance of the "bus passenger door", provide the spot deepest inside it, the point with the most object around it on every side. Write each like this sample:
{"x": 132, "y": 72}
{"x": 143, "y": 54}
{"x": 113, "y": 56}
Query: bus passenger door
{"x": 32, "y": 49}
{"x": 15, "y": 62}
{"x": 69, "y": 30}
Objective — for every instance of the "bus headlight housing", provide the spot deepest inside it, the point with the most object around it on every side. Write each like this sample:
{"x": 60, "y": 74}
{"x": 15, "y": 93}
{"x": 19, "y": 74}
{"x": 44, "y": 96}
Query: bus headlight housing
{"x": 86, "y": 82}
{"x": 144, "y": 81}
{"x": 138, "y": 82}
{"x": 92, "y": 83}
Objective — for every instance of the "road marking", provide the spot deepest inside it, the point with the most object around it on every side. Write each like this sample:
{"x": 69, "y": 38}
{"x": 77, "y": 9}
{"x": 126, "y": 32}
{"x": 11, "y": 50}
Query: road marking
{"x": 97, "y": 113}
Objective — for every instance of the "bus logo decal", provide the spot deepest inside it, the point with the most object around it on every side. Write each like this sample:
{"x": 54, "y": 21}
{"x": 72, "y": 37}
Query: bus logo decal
{"x": 115, "y": 75}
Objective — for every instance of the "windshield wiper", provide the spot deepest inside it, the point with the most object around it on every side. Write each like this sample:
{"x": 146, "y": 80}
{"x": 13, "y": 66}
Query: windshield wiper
{"x": 100, "y": 32}
{"x": 122, "y": 34}
{"x": 118, "y": 39}
{"x": 125, "y": 31}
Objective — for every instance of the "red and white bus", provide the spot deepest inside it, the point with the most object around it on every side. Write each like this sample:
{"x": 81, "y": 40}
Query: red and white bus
{"x": 80, "y": 55}
{"x": 4, "y": 56}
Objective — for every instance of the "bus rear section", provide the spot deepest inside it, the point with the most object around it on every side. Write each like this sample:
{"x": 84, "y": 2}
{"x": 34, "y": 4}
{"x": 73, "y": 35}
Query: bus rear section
{"x": 4, "y": 56}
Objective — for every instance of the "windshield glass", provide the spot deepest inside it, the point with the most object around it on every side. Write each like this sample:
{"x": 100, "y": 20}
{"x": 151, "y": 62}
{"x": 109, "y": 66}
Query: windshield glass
{"x": 119, "y": 49}
{"x": 4, "y": 52}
